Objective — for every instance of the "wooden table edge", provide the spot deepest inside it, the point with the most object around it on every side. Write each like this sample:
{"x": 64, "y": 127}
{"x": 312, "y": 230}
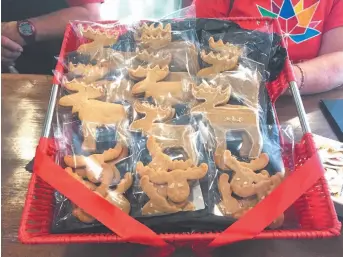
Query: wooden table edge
{"x": 40, "y": 77}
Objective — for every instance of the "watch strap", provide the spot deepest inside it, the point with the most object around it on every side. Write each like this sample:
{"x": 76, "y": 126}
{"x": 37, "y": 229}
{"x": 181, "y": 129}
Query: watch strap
{"x": 26, "y": 30}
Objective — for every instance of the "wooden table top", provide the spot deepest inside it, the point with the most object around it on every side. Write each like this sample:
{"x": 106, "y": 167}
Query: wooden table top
{"x": 24, "y": 102}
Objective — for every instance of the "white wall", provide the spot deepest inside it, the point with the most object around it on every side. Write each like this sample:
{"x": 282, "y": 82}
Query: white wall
{"x": 137, "y": 9}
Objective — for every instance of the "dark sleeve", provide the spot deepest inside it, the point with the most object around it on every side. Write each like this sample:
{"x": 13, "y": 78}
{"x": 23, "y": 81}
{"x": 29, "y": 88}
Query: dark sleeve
{"x": 211, "y": 8}
{"x": 82, "y": 2}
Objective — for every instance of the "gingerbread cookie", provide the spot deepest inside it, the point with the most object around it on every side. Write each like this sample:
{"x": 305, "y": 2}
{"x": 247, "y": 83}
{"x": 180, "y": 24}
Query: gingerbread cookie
{"x": 78, "y": 212}
{"x": 80, "y": 86}
{"x": 245, "y": 181}
{"x": 160, "y": 58}
{"x": 225, "y": 117}
{"x": 93, "y": 114}
{"x": 89, "y": 73}
{"x": 124, "y": 153}
{"x": 115, "y": 197}
{"x": 167, "y": 181}
{"x": 157, "y": 203}
{"x": 175, "y": 197}
{"x": 227, "y": 48}
{"x": 149, "y": 74}
{"x": 225, "y": 59}
{"x": 88, "y": 184}
{"x": 257, "y": 164}
{"x": 151, "y": 114}
{"x": 244, "y": 83}
{"x": 108, "y": 174}
{"x": 178, "y": 189}
{"x": 163, "y": 92}
{"x": 109, "y": 54}
{"x": 160, "y": 160}
{"x": 91, "y": 166}
{"x": 184, "y": 56}
{"x": 100, "y": 37}
{"x": 169, "y": 136}
{"x": 163, "y": 162}
{"x": 112, "y": 59}
{"x": 157, "y": 42}
{"x": 119, "y": 90}
{"x": 230, "y": 206}
{"x": 84, "y": 92}
{"x": 154, "y": 38}
{"x": 179, "y": 76}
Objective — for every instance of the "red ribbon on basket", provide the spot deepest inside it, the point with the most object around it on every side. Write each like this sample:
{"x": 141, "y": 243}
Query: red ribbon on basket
{"x": 111, "y": 216}
{"x": 247, "y": 227}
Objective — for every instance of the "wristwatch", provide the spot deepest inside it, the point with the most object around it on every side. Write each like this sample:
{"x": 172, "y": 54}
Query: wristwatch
{"x": 27, "y": 31}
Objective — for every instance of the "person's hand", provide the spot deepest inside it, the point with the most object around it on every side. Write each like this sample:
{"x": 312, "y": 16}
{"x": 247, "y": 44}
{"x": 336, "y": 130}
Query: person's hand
{"x": 297, "y": 76}
{"x": 10, "y": 51}
{"x": 9, "y": 30}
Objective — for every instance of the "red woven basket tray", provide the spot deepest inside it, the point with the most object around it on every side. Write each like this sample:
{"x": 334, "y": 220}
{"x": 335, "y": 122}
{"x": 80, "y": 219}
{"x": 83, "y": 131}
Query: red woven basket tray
{"x": 314, "y": 209}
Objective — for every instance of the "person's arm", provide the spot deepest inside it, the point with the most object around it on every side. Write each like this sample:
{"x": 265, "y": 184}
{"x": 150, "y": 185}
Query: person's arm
{"x": 52, "y": 25}
{"x": 325, "y": 72}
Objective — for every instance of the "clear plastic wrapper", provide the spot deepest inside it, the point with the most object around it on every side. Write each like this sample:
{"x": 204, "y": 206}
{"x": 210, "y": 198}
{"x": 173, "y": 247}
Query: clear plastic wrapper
{"x": 109, "y": 86}
{"x": 232, "y": 98}
{"x": 93, "y": 115}
{"x": 104, "y": 169}
{"x": 166, "y": 63}
{"x": 232, "y": 46}
{"x": 157, "y": 43}
{"x": 148, "y": 99}
{"x": 168, "y": 170}
{"x": 238, "y": 184}
{"x": 94, "y": 37}
{"x": 89, "y": 147}
{"x": 116, "y": 181}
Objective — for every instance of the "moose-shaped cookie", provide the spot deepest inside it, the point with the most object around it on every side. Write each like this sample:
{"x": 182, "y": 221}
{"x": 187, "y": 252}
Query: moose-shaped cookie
{"x": 163, "y": 92}
{"x": 114, "y": 196}
{"x": 154, "y": 37}
{"x": 158, "y": 47}
{"x": 246, "y": 183}
{"x": 152, "y": 114}
{"x": 225, "y": 117}
{"x": 170, "y": 136}
{"x": 88, "y": 72}
{"x": 159, "y": 58}
{"x": 92, "y": 113}
{"x": 224, "y": 58}
{"x": 165, "y": 181}
{"x": 100, "y": 37}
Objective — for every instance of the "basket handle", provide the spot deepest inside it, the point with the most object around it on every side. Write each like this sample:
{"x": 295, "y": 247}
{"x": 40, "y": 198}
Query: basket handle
{"x": 300, "y": 107}
{"x": 111, "y": 216}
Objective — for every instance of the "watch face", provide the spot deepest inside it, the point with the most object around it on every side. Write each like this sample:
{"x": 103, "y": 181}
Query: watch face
{"x": 26, "y": 29}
